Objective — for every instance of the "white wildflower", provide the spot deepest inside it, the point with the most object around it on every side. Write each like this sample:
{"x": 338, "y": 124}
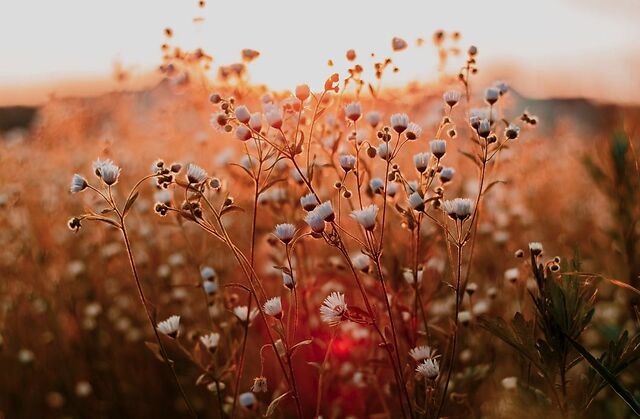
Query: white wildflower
{"x": 169, "y": 326}
{"x": 333, "y": 309}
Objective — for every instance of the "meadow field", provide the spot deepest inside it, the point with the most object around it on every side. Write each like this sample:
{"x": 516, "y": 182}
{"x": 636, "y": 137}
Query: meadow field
{"x": 212, "y": 247}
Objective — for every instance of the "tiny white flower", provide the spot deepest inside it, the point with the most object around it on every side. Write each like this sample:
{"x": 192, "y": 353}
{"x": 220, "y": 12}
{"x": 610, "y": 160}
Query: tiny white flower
{"x": 484, "y": 128}
{"x": 289, "y": 280}
{"x": 333, "y": 309}
{"x": 315, "y": 220}
{"x": 502, "y": 86}
{"x": 210, "y": 287}
{"x": 195, "y": 173}
{"x": 107, "y": 171}
{"x": 208, "y": 273}
{"x": 447, "y": 174}
{"x": 416, "y": 201}
{"x": 284, "y": 232}
{"x": 451, "y": 98}
{"x": 511, "y": 275}
{"x": 399, "y": 122}
{"x": 361, "y": 262}
{"x": 169, "y": 326}
{"x": 480, "y": 308}
{"x": 325, "y": 210}
{"x": 384, "y": 151}
{"x": 421, "y": 161}
{"x": 347, "y": 162}
{"x": 353, "y": 111}
{"x": 420, "y": 353}
{"x": 255, "y": 122}
{"x": 78, "y": 184}
{"x": 459, "y": 208}
{"x": 491, "y": 95}
{"x": 273, "y": 307}
{"x": 210, "y": 341}
{"x": 242, "y": 114}
{"x": 535, "y": 248}
{"x": 438, "y": 147}
{"x": 242, "y": 313}
{"x": 465, "y": 317}
{"x": 366, "y": 217}
{"x": 373, "y": 118}
{"x": 408, "y": 276}
{"x": 309, "y": 202}
{"x": 509, "y": 383}
{"x": 243, "y": 133}
{"x": 274, "y": 117}
{"x": 377, "y": 185}
{"x": 414, "y": 131}
{"x": 429, "y": 369}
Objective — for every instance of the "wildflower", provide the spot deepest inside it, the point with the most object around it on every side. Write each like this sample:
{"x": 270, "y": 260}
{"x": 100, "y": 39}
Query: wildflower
{"x": 420, "y": 353}
{"x": 416, "y": 201}
{"x": 472, "y": 287}
{"x": 243, "y": 133}
{"x": 398, "y": 44}
{"x": 447, "y": 174}
{"x": 373, "y": 118}
{"x": 195, "y": 173}
{"x": 78, "y": 184}
{"x": 366, "y": 217}
{"x": 255, "y": 122}
{"x": 451, "y": 98}
{"x": 169, "y": 326}
{"x": 353, "y": 111}
{"x": 484, "y": 128}
{"x": 315, "y": 221}
{"x": 491, "y": 95}
{"x": 247, "y": 400}
{"x": 289, "y": 280}
{"x": 414, "y": 131}
{"x": 511, "y": 275}
{"x": 285, "y": 232}
{"x": 309, "y": 201}
{"x": 412, "y": 279}
{"x": 210, "y": 341}
{"x": 377, "y": 185}
{"x": 502, "y": 86}
{"x": 107, "y": 171}
{"x": 385, "y": 151}
{"x": 347, "y": 162}
{"x": 438, "y": 148}
{"x": 465, "y": 317}
{"x": 325, "y": 210}
{"x": 480, "y": 308}
{"x": 242, "y": 313}
{"x": 421, "y": 161}
{"x": 259, "y": 385}
{"x": 361, "y": 262}
{"x": 459, "y": 208}
{"x": 333, "y": 309}
{"x": 302, "y": 92}
{"x": 273, "y": 307}
{"x": 242, "y": 114}
{"x": 210, "y": 287}
{"x": 429, "y": 369}
{"x": 274, "y": 118}
{"x": 535, "y": 248}
{"x": 512, "y": 132}
{"x": 392, "y": 189}
{"x": 208, "y": 273}
{"x": 399, "y": 122}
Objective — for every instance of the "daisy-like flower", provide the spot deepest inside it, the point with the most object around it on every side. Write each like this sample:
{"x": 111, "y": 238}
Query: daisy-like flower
{"x": 384, "y": 151}
{"x": 347, "y": 162}
{"x": 414, "y": 131}
{"x": 333, "y": 309}
{"x": 107, "y": 171}
{"x": 377, "y": 185}
{"x": 170, "y": 326}
{"x": 78, "y": 184}
{"x": 325, "y": 210}
{"x": 399, "y": 122}
{"x": 247, "y": 400}
{"x": 361, "y": 262}
{"x": 289, "y": 280}
{"x": 210, "y": 341}
{"x": 366, "y": 217}
{"x": 353, "y": 111}
{"x": 420, "y": 353}
{"x": 208, "y": 273}
{"x": 315, "y": 220}
{"x": 243, "y": 133}
{"x": 259, "y": 385}
{"x": 416, "y": 201}
{"x": 421, "y": 161}
{"x": 447, "y": 174}
{"x": 373, "y": 118}
{"x": 242, "y": 313}
{"x": 284, "y": 232}
{"x": 491, "y": 95}
{"x": 438, "y": 147}
{"x": 309, "y": 202}
{"x": 429, "y": 369}
{"x": 274, "y": 118}
{"x": 242, "y": 114}
{"x": 535, "y": 248}
{"x": 273, "y": 307}
{"x": 458, "y": 209}
{"x": 195, "y": 173}
{"x": 255, "y": 122}
{"x": 451, "y": 98}
{"x": 484, "y": 128}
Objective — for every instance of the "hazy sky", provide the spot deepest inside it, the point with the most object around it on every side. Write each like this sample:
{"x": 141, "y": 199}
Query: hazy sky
{"x": 48, "y": 41}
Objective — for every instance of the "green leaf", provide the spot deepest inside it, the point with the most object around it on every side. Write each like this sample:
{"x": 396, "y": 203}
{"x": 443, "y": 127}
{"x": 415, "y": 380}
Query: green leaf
{"x": 608, "y": 376}
{"x": 274, "y": 404}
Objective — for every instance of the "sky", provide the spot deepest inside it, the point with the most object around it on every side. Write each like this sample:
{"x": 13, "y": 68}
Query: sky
{"x": 592, "y": 44}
